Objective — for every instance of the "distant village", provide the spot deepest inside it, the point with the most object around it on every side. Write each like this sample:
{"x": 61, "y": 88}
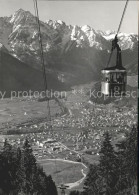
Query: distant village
{"x": 88, "y": 125}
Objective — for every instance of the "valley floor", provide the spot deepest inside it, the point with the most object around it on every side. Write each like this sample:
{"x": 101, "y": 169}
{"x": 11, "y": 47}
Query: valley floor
{"x": 75, "y": 137}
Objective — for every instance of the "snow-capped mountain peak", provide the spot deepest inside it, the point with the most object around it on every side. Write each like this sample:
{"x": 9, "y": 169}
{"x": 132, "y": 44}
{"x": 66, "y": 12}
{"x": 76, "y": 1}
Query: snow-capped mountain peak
{"x": 60, "y": 22}
{"x": 86, "y": 28}
{"x": 126, "y": 41}
{"x": 20, "y": 16}
{"x": 56, "y": 24}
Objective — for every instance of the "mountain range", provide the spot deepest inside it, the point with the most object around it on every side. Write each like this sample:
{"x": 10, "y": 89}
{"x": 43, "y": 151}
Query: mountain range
{"x": 72, "y": 54}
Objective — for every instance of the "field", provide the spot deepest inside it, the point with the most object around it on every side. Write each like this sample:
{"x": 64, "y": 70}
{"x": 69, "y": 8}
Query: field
{"x": 18, "y": 111}
{"x": 63, "y": 171}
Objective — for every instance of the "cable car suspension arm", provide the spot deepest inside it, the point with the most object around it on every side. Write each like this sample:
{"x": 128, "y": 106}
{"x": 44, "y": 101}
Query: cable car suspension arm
{"x": 114, "y": 42}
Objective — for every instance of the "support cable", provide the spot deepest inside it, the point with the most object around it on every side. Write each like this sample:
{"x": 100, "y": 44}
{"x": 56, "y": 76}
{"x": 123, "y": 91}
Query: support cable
{"x": 122, "y": 17}
{"x": 43, "y": 66}
{"x": 42, "y": 59}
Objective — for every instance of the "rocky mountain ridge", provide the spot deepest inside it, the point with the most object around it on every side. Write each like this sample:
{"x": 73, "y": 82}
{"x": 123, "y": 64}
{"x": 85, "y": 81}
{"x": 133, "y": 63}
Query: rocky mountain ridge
{"x": 76, "y": 54}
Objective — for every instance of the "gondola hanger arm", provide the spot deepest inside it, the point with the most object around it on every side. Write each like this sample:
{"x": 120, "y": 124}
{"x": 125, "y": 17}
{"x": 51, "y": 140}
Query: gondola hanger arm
{"x": 114, "y": 42}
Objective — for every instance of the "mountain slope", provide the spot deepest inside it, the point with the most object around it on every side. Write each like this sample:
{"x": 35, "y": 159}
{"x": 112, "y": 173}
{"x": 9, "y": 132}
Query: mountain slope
{"x": 18, "y": 76}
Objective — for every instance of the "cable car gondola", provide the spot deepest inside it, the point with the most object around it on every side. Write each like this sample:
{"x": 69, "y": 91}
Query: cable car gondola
{"x": 114, "y": 78}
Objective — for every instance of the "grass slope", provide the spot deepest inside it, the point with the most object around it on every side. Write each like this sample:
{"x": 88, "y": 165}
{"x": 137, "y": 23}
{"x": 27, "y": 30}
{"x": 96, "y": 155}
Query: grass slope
{"x": 18, "y": 76}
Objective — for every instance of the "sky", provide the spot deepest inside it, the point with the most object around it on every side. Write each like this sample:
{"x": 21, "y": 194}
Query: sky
{"x": 100, "y": 15}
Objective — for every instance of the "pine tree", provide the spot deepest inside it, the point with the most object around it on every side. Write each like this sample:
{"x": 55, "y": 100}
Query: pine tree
{"x": 28, "y": 163}
{"x": 75, "y": 192}
{"x": 9, "y": 168}
{"x": 50, "y": 187}
{"x": 127, "y": 155}
{"x": 131, "y": 153}
{"x": 108, "y": 165}
{"x": 121, "y": 184}
{"x": 21, "y": 177}
{"x": 93, "y": 182}
{"x": 101, "y": 179}
{"x": 39, "y": 181}
{"x": 4, "y": 175}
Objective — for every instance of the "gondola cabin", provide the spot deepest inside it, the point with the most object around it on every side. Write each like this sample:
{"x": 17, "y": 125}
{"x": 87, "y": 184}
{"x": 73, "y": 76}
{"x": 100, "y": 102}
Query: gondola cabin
{"x": 114, "y": 78}
{"x": 113, "y": 81}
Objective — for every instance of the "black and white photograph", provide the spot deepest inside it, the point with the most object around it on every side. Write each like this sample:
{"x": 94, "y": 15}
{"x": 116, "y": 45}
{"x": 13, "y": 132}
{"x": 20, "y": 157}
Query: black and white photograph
{"x": 69, "y": 97}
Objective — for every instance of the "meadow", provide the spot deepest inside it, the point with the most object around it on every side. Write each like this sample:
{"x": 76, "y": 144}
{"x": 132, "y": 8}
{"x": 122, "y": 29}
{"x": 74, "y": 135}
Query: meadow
{"x": 63, "y": 171}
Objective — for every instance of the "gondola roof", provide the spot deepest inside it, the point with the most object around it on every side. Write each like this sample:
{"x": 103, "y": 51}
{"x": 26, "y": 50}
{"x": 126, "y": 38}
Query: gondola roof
{"x": 115, "y": 68}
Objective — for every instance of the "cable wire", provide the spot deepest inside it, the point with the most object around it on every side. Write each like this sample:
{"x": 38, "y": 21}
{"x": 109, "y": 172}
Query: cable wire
{"x": 43, "y": 65}
{"x": 122, "y": 17}
{"x": 42, "y": 59}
